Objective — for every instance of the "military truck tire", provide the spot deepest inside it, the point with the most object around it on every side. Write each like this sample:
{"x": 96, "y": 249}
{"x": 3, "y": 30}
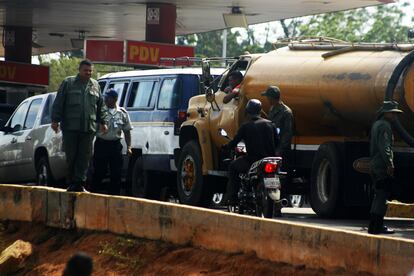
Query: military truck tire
{"x": 191, "y": 186}
{"x": 140, "y": 183}
{"x": 326, "y": 181}
{"x": 44, "y": 175}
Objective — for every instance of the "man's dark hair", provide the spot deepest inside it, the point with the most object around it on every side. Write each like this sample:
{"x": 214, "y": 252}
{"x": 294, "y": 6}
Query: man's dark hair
{"x": 237, "y": 75}
{"x": 86, "y": 62}
{"x": 79, "y": 264}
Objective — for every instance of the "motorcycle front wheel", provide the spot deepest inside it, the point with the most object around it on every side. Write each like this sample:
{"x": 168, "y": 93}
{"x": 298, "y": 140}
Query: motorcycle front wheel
{"x": 264, "y": 204}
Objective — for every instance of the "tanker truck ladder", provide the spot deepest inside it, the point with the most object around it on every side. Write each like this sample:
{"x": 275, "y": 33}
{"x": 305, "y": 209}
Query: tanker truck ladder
{"x": 336, "y": 46}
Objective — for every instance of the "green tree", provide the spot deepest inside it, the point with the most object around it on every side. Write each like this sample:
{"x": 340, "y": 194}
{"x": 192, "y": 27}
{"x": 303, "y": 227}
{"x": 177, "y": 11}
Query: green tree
{"x": 378, "y": 24}
{"x": 59, "y": 69}
{"x": 210, "y": 44}
{"x": 375, "y": 24}
{"x": 68, "y": 66}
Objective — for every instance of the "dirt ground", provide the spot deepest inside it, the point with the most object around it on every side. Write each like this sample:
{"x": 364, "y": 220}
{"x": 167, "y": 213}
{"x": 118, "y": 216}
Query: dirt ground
{"x": 121, "y": 255}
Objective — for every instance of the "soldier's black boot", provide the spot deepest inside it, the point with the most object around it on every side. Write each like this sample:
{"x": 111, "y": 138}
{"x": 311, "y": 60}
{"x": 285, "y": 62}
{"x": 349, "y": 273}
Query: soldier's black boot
{"x": 374, "y": 225}
{"x": 384, "y": 229}
{"x": 76, "y": 187}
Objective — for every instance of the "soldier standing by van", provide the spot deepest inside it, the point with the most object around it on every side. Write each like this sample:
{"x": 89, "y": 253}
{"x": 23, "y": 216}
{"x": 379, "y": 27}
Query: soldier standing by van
{"x": 108, "y": 147}
{"x": 78, "y": 108}
{"x": 382, "y": 165}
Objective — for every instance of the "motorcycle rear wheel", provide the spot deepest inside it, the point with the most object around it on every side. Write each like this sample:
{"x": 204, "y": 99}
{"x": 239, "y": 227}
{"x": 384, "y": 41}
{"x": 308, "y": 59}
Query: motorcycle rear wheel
{"x": 264, "y": 204}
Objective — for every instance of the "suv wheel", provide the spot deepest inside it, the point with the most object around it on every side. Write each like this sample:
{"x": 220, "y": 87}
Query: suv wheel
{"x": 43, "y": 174}
{"x": 140, "y": 184}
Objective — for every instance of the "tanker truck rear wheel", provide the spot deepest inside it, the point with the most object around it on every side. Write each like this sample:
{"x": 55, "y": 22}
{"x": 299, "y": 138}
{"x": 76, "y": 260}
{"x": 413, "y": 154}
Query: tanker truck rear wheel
{"x": 326, "y": 181}
{"x": 191, "y": 186}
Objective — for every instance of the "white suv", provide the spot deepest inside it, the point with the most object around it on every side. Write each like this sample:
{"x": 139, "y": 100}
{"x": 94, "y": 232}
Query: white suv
{"x": 29, "y": 148}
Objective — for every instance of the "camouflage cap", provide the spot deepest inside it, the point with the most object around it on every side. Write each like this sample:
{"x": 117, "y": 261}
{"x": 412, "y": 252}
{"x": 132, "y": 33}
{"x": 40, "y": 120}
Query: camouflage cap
{"x": 272, "y": 91}
{"x": 389, "y": 106}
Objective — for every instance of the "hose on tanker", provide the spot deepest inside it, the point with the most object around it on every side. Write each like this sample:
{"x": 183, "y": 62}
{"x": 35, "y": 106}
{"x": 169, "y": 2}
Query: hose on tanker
{"x": 392, "y": 83}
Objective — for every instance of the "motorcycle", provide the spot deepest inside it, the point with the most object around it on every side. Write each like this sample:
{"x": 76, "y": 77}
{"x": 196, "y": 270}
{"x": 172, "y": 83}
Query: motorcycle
{"x": 260, "y": 188}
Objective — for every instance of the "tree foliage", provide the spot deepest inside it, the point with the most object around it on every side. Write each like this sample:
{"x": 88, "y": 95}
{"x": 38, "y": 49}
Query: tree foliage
{"x": 375, "y": 24}
{"x": 378, "y": 24}
{"x": 68, "y": 66}
{"x": 210, "y": 44}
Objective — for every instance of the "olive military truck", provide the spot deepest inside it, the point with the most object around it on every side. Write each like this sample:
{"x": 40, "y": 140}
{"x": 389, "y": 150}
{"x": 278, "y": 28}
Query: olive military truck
{"x": 334, "y": 89}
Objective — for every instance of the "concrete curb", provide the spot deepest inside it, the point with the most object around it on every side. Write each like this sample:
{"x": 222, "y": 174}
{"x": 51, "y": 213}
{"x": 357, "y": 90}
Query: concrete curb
{"x": 400, "y": 210}
{"x": 293, "y": 243}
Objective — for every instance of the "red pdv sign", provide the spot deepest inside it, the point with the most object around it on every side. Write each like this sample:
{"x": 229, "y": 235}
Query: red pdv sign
{"x": 133, "y": 52}
{"x": 24, "y": 73}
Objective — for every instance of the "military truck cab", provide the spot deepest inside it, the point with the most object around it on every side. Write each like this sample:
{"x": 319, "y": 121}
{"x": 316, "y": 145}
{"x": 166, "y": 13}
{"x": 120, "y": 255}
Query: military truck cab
{"x": 198, "y": 157}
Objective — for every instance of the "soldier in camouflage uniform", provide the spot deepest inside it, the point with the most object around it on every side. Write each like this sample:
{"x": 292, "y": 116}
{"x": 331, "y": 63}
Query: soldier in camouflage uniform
{"x": 108, "y": 147}
{"x": 77, "y": 108}
{"x": 382, "y": 166}
{"x": 282, "y": 118}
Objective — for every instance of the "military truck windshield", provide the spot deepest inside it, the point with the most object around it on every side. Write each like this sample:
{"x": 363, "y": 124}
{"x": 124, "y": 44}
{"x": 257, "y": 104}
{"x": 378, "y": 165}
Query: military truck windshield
{"x": 240, "y": 65}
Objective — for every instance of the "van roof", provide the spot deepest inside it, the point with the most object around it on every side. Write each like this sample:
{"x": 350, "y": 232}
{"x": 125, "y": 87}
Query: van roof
{"x": 157, "y": 72}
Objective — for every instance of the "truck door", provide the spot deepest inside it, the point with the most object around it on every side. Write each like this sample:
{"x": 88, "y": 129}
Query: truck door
{"x": 229, "y": 116}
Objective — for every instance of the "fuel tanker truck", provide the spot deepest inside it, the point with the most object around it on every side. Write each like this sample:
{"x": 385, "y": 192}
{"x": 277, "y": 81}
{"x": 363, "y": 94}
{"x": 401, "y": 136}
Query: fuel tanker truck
{"x": 334, "y": 89}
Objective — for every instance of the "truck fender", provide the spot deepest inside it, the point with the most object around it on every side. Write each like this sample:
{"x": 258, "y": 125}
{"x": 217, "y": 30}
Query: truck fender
{"x": 199, "y": 131}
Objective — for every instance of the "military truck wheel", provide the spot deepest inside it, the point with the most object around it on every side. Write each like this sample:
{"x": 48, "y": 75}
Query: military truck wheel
{"x": 141, "y": 185}
{"x": 190, "y": 182}
{"x": 44, "y": 176}
{"x": 326, "y": 181}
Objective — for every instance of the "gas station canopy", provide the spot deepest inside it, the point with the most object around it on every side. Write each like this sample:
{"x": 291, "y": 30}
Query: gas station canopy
{"x": 55, "y": 22}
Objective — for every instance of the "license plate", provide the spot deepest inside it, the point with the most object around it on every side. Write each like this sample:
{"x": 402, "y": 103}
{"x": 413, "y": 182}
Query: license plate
{"x": 272, "y": 183}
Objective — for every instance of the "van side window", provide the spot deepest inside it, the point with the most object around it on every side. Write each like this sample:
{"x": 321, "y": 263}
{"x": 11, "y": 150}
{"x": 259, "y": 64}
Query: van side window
{"x": 121, "y": 88}
{"x": 169, "y": 97}
{"x": 141, "y": 94}
{"x": 102, "y": 85}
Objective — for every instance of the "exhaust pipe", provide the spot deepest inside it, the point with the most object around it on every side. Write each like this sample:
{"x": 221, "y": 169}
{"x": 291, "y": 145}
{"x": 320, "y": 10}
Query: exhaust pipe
{"x": 284, "y": 202}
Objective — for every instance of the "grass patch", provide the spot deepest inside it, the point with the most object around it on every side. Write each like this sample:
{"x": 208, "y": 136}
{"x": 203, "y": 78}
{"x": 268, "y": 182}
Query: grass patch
{"x": 119, "y": 251}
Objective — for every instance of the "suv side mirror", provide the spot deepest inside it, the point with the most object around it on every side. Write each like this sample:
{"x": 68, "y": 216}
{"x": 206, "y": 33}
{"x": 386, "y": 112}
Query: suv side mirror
{"x": 17, "y": 127}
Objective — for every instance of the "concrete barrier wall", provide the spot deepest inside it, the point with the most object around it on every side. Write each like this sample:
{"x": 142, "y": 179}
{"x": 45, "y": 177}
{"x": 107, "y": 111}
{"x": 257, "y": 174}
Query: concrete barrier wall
{"x": 294, "y": 243}
{"x": 400, "y": 210}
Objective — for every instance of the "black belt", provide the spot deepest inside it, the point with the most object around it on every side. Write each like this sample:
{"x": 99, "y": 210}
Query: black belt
{"x": 100, "y": 140}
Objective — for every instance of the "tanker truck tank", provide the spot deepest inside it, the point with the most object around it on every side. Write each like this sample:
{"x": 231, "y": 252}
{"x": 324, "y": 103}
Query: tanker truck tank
{"x": 335, "y": 95}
